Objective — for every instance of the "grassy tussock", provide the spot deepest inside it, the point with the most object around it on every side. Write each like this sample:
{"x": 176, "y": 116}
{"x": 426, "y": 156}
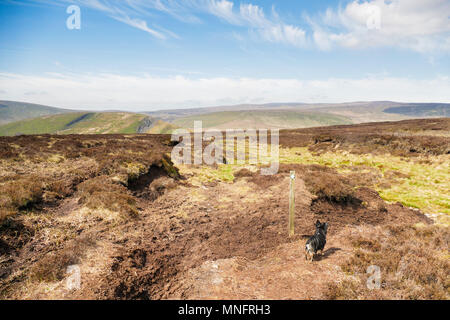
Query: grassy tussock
{"x": 331, "y": 187}
{"x": 20, "y": 193}
{"x": 102, "y": 193}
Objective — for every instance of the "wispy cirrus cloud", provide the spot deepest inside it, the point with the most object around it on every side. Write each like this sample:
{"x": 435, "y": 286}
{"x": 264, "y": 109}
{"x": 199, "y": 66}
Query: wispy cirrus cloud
{"x": 135, "y": 13}
{"x": 253, "y": 16}
{"x": 140, "y": 24}
{"x": 417, "y": 25}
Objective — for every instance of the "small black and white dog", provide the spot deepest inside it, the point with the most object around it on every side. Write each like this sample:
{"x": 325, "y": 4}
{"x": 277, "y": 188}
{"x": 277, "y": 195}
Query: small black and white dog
{"x": 317, "y": 242}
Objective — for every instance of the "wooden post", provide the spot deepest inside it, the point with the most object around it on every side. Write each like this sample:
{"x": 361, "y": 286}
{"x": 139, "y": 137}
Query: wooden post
{"x": 291, "y": 203}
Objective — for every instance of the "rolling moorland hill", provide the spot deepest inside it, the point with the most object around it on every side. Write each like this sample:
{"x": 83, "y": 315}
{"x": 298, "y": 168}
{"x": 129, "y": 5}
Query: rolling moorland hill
{"x": 386, "y": 111}
{"x": 355, "y": 112}
{"x": 85, "y": 123}
{"x": 41, "y": 119}
{"x": 161, "y": 127}
{"x": 11, "y": 111}
{"x": 88, "y": 123}
{"x": 422, "y": 110}
{"x": 283, "y": 119}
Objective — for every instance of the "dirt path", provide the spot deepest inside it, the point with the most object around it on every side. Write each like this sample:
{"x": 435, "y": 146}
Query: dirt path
{"x": 281, "y": 274}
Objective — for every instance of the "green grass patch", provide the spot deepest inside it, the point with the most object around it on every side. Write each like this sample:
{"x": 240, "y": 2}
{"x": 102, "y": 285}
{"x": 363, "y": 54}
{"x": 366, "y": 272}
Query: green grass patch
{"x": 162, "y": 127}
{"x": 425, "y": 186}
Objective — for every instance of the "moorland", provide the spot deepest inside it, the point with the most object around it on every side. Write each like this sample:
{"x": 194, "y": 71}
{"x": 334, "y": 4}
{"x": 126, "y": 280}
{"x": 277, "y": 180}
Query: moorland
{"x": 140, "y": 227}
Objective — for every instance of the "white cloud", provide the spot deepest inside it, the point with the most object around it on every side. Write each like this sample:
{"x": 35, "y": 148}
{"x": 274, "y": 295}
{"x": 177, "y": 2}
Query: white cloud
{"x": 253, "y": 17}
{"x": 137, "y": 93}
{"x": 223, "y": 10}
{"x": 422, "y": 26}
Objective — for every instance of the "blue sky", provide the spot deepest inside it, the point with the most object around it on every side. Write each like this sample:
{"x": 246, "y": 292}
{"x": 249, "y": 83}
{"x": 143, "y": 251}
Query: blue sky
{"x": 154, "y": 54}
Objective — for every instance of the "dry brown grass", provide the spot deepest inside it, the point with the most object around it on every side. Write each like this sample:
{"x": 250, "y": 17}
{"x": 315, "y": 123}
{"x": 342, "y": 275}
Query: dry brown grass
{"x": 7, "y": 151}
{"x": 102, "y": 193}
{"x": 58, "y": 189}
{"x": 52, "y": 267}
{"x": 414, "y": 264}
{"x": 19, "y": 193}
{"x": 243, "y": 173}
{"x": 330, "y": 186}
{"x": 396, "y": 138}
{"x": 46, "y": 169}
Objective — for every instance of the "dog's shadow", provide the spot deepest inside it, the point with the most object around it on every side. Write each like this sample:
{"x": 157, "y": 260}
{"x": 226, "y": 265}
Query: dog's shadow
{"x": 327, "y": 253}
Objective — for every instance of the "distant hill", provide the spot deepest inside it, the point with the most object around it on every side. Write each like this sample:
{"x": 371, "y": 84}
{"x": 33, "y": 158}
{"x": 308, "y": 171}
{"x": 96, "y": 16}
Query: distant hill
{"x": 256, "y": 119}
{"x": 38, "y": 119}
{"x": 171, "y": 115}
{"x": 356, "y": 112}
{"x": 422, "y": 110}
{"x": 162, "y": 127}
{"x": 84, "y": 123}
{"x": 11, "y": 111}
